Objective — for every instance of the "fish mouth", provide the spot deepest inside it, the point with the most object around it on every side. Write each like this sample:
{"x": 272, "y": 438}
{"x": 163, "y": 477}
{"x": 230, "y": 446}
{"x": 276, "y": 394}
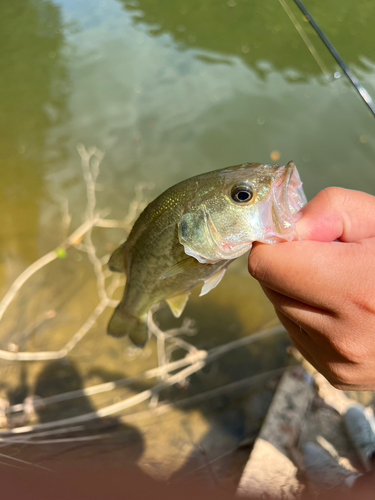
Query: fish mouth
{"x": 287, "y": 199}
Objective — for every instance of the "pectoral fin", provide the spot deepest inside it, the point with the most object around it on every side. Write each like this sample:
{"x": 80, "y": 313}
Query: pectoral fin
{"x": 177, "y": 303}
{"x": 116, "y": 262}
{"x": 180, "y": 267}
{"x": 212, "y": 282}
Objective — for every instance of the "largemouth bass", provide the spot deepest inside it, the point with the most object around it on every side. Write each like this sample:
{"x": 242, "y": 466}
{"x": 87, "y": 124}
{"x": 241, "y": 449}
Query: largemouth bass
{"x": 194, "y": 230}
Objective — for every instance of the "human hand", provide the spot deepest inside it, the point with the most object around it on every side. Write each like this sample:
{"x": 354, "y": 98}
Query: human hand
{"x": 323, "y": 290}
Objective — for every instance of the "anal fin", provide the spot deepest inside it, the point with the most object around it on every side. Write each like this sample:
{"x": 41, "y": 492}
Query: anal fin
{"x": 177, "y": 303}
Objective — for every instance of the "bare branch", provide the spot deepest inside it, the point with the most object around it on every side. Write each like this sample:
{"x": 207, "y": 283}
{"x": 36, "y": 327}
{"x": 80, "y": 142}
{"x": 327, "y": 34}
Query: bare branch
{"x": 40, "y": 263}
{"x": 114, "y": 408}
{"x": 189, "y": 359}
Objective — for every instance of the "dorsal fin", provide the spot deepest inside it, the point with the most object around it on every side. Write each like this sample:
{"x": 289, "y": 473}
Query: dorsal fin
{"x": 116, "y": 262}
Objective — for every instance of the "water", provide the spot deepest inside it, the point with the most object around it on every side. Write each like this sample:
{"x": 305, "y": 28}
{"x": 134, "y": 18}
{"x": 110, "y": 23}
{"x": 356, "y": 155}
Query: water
{"x": 165, "y": 90}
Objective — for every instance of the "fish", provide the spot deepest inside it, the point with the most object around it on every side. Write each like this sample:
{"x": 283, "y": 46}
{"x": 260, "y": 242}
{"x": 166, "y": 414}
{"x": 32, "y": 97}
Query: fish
{"x": 194, "y": 230}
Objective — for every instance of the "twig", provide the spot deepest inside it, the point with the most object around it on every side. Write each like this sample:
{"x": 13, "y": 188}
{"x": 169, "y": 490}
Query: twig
{"x": 16, "y": 439}
{"x": 196, "y": 362}
{"x": 186, "y": 328}
{"x": 10, "y": 441}
{"x": 65, "y": 215}
{"x": 111, "y": 223}
{"x": 203, "y": 396}
{"x": 77, "y": 337}
{"x": 110, "y": 386}
{"x": 18, "y": 460}
{"x": 90, "y": 162}
{"x": 112, "y": 409}
{"x": 40, "y": 263}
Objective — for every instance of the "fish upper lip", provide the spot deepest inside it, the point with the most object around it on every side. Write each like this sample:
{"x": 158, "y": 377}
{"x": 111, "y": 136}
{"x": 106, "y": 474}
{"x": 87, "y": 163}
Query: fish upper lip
{"x": 283, "y": 181}
{"x": 288, "y": 174}
{"x": 288, "y": 198}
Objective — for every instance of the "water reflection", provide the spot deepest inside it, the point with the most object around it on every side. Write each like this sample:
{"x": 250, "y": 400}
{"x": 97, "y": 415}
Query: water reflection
{"x": 256, "y": 31}
{"x": 34, "y": 90}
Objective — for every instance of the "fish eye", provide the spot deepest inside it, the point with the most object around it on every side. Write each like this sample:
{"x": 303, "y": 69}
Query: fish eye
{"x": 242, "y": 193}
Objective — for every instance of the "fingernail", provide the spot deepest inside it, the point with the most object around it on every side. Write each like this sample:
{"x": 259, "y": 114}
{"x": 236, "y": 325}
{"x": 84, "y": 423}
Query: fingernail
{"x": 297, "y": 216}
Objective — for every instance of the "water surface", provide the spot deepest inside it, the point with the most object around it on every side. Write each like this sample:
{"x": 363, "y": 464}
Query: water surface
{"x": 165, "y": 90}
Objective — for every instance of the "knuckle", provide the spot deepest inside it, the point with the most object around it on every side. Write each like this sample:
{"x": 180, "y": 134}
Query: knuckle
{"x": 339, "y": 376}
{"x": 346, "y": 348}
{"x": 332, "y": 194}
{"x": 347, "y": 376}
{"x": 332, "y": 198}
{"x": 339, "y": 386}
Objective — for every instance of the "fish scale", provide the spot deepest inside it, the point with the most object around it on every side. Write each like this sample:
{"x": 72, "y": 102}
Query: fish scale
{"x": 191, "y": 233}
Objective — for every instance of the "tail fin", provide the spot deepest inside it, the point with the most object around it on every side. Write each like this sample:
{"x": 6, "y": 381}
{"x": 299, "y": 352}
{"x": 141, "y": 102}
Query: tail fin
{"x": 122, "y": 324}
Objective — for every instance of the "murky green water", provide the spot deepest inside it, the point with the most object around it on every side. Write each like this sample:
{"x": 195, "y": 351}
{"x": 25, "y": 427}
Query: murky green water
{"x": 166, "y": 90}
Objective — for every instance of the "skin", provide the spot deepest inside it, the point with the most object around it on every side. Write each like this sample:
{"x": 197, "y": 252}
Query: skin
{"x": 323, "y": 290}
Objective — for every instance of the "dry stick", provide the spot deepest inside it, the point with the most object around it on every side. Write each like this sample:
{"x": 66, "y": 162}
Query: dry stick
{"x": 196, "y": 361}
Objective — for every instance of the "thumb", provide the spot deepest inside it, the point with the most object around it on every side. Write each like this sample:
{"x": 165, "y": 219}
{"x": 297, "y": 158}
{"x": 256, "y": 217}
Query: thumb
{"x": 338, "y": 214}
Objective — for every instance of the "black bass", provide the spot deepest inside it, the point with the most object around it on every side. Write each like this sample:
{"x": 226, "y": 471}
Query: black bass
{"x": 194, "y": 230}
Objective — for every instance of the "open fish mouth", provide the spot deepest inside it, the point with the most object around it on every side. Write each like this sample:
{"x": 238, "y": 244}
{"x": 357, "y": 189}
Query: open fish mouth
{"x": 287, "y": 199}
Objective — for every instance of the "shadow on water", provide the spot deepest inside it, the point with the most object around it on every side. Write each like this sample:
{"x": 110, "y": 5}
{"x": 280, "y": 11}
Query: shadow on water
{"x": 202, "y": 438}
{"x": 232, "y": 418}
{"x": 257, "y": 31}
{"x": 106, "y": 442}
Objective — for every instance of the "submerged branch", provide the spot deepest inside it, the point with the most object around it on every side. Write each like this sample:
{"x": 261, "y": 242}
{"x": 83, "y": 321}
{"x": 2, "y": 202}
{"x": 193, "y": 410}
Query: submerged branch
{"x": 196, "y": 362}
{"x": 167, "y": 374}
{"x": 42, "y": 262}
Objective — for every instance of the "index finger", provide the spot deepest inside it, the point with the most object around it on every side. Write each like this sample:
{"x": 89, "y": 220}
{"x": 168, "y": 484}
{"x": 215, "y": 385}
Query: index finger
{"x": 311, "y": 272}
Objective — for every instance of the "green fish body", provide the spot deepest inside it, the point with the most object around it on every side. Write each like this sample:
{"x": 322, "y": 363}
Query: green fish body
{"x": 193, "y": 231}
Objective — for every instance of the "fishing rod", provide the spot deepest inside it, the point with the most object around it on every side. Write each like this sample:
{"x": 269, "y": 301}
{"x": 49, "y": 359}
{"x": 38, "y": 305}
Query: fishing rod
{"x": 352, "y": 78}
